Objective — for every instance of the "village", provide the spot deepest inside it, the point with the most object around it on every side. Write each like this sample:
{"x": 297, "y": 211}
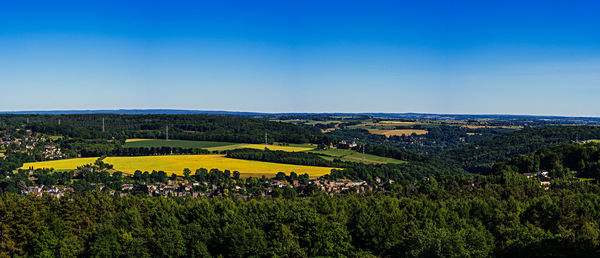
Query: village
{"x": 183, "y": 188}
{"x": 25, "y": 142}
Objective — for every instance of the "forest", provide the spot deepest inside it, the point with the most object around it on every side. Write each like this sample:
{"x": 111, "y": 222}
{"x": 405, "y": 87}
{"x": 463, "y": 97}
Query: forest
{"x": 503, "y": 215}
{"x": 565, "y": 161}
{"x": 472, "y": 199}
{"x": 182, "y": 127}
{"x": 479, "y": 157}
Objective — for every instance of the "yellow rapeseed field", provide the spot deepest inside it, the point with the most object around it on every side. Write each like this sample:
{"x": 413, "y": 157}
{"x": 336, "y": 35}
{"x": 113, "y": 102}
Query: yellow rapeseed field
{"x": 136, "y": 140}
{"x": 62, "y": 164}
{"x": 397, "y": 132}
{"x": 176, "y": 164}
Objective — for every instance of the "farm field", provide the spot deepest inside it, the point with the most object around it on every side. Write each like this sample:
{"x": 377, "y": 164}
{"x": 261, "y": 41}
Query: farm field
{"x": 492, "y": 126}
{"x": 63, "y": 164}
{"x": 212, "y": 146}
{"x": 290, "y": 148}
{"x": 148, "y": 143}
{"x": 397, "y": 132}
{"x": 176, "y": 164}
{"x": 350, "y": 155}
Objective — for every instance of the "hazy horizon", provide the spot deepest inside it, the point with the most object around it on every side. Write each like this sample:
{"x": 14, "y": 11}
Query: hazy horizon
{"x": 467, "y": 57}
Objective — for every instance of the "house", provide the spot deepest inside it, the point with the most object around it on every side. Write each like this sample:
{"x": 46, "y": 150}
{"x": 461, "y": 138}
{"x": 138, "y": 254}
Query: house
{"x": 528, "y": 175}
{"x": 542, "y": 173}
{"x": 345, "y": 145}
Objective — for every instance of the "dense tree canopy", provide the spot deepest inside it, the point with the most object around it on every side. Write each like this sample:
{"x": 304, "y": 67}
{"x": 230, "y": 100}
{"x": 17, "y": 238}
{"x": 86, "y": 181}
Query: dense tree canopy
{"x": 504, "y": 215}
{"x": 480, "y": 157}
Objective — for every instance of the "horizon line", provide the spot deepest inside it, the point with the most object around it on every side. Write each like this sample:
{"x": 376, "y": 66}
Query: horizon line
{"x": 100, "y": 111}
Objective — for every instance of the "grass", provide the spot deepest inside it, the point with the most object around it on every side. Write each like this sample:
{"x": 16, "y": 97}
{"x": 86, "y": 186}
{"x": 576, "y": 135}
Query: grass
{"x": 212, "y": 146}
{"x": 176, "y": 164}
{"x": 148, "y": 143}
{"x": 593, "y": 141}
{"x": 350, "y": 155}
{"x": 290, "y": 148}
{"x": 55, "y": 137}
{"x": 397, "y": 132}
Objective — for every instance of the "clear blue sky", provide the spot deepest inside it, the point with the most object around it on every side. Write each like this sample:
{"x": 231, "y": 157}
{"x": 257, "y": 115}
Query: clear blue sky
{"x": 507, "y": 57}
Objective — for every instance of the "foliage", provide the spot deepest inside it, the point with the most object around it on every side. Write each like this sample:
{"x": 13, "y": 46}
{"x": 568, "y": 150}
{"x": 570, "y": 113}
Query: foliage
{"x": 445, "y": 216}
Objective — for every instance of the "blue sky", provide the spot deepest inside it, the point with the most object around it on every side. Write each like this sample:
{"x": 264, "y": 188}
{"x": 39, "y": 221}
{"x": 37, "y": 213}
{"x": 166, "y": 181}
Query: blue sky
{"x": 478, "y": 57}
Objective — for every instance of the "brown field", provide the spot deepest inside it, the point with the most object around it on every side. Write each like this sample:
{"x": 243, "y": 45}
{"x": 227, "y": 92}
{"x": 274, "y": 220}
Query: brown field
{"x": 397, "y": 132}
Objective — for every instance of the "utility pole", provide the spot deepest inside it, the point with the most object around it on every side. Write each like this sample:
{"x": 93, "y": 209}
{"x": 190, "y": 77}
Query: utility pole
{"x": 167, "y": 132}
{"x": 103, "y": 124}
{"x": 363, "y": 153}
{"x": 58, "y": 121}
{"x": 28, "y": 120}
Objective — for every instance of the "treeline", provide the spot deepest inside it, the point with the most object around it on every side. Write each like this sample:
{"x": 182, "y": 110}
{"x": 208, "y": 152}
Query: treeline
{"x": 389, "y": 152}
{"x": 504, "y": 215}
{"x": 479, "y": 157}
{"x": 183, "y": 127}
{"x": 580, "y": 160}
{"x": 296, "y": 158}
{"x": 416, "y": 167}
{"x": 437, "y": 139}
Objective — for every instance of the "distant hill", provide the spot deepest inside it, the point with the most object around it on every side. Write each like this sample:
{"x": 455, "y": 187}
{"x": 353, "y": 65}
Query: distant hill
{"x": 516, "y": 118}
{"x": 130, "y": 112}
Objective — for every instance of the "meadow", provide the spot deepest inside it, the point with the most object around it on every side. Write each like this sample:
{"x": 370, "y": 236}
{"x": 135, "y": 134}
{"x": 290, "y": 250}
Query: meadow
{"x": 148, "y": 143}
{"x": 176, "y": 164}
{"x": 212, "y": 146}
{"x": 350, "y": 155}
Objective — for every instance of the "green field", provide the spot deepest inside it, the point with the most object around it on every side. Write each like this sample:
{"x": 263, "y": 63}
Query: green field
{"x": 213, "y": 146}
{"x": 148, "y": 143}
{"x": 350, "y": 155}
